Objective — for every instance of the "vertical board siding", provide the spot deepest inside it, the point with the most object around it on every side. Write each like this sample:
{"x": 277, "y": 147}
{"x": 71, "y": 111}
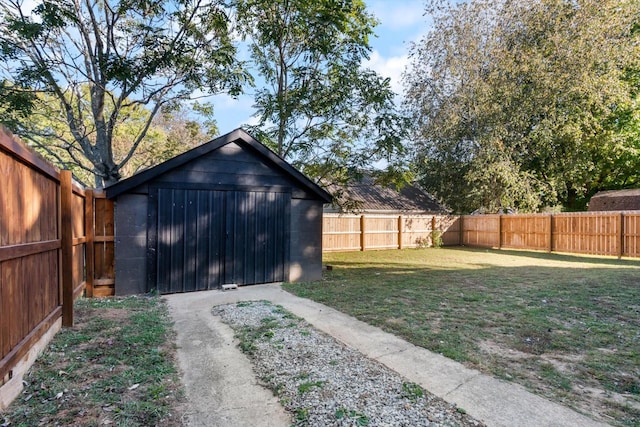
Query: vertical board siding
{"x": 207, "y": 238}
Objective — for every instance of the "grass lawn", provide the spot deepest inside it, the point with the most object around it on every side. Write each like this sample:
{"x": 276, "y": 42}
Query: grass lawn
{"x": 116, "y": 366}
{"x": 565, "y": 327}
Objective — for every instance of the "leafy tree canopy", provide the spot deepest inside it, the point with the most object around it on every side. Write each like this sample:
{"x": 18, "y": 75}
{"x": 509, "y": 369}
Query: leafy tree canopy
{"x": 526, "y": 104}
{"x": 319, "y": 107}
{"x": 78, "y": 71}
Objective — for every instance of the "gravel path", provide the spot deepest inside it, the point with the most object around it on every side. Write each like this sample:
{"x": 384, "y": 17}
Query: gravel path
{"x": 321, "y": 382}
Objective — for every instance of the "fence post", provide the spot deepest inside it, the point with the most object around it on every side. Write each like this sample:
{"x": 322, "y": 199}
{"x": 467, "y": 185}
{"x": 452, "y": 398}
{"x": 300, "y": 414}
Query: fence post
{"x": 66, "y": 241}
{"x": 362, "y": 232}
{"x": 461, "y": 231}
{"x": 433, "y": 231}
{"x": 89, "y": 232}
{"x": 500, "y": 231}
{"x": 550, "y": 235}
{"x": 620, "y": 235}
{"x": 400, "y": 227}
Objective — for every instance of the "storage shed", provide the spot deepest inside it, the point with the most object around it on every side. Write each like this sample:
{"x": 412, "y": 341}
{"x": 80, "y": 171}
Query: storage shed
{"x": 227, "y": 212}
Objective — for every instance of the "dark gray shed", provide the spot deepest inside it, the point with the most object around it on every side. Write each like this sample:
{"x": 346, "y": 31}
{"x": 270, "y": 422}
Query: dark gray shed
{"x": 228, "y": 211}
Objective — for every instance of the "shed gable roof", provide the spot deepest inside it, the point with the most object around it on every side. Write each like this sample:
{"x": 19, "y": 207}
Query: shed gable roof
{"x": 237, "y": 136}
{"x": 615, "y": 200}
{"x": 370, "y": 196}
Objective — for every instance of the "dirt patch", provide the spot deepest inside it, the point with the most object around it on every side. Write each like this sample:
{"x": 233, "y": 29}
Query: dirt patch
{"x": 584, "y": 396}
{"x": 494, "y": 349}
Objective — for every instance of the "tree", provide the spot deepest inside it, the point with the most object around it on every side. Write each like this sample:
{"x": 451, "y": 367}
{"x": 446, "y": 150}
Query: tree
{"x": 98, "y": 61}
{"x": 173, "y": 131}
{"x": 319, "y": 108}
{"x": 525, "y": 104}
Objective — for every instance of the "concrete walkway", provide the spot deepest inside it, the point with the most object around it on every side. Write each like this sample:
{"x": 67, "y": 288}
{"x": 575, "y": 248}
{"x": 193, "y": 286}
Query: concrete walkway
{"x": 222, "y": 390}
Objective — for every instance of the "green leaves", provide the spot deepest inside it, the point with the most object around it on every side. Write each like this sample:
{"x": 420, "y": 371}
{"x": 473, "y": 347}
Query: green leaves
{"x": 521, "y": 98}
{"x": 318, "y": 106}
{"x": 94, "y": 61}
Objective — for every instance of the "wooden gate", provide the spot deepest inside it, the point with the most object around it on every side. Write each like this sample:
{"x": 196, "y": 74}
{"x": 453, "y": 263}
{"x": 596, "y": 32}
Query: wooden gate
{"x": 201, "y": 239}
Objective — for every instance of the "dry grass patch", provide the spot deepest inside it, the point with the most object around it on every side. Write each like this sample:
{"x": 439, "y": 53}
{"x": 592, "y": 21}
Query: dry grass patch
{"x": 116, "y": 366}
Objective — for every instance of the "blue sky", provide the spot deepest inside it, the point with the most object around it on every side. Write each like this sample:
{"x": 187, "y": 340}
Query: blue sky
{"x": 401, "y": 22}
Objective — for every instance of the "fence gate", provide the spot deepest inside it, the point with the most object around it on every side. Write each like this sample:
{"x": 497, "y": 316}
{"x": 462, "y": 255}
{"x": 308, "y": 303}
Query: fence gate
{"x": 201, "y": 239}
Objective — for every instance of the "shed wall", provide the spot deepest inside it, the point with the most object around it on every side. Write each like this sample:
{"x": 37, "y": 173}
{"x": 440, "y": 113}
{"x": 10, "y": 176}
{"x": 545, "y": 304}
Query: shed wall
{"x": 306, "y": 241}
{"x": 131, "y": 244}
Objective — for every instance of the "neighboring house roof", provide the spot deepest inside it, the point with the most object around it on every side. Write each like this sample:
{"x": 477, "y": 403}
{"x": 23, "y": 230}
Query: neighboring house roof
{"x": 237, "y": 136}
{"x": 366, "y": 195}
{"x": 615, "y": 200}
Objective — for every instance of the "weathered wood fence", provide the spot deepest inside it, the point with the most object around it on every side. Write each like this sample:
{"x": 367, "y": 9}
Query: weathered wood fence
{"x": 593, "y": 233}
{"x": 49, "y": 251}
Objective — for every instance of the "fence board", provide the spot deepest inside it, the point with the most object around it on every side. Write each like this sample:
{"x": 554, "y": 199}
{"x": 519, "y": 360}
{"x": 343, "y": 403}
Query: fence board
{"x": 594, "y": 233}
{"x": 417, "y": 230}
{"x": 631, "y": 235}
{"x": 341, "y": 233}
{"x": 481, "y": 230}
{"x": 103, "y": 246}
{"x": 525, "y": 232}
{"x": 29, "y": 247}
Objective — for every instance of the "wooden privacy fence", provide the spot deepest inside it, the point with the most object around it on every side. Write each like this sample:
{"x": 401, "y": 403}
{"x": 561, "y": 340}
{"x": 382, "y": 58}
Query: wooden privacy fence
{"x": 593, "y": 233}
{"x": 368, "y": 232}
{"x": 49, "y": 252}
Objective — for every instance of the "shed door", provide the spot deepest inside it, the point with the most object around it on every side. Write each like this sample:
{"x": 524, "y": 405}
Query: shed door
{"x": 206, "y": 238}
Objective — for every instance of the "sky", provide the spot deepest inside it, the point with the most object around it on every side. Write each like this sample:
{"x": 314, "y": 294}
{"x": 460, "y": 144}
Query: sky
{"x": 401, "y": 22}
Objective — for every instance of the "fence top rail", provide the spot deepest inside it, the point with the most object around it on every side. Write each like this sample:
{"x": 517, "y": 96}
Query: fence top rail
{"x": 598, "y": 213}
{"x": 558, "y": 214}
{"x": 20, "y": 151}
{"x": 388, "y": 215}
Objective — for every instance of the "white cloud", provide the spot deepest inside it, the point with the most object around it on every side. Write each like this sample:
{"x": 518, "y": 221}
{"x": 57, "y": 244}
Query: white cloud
{"x": 28, "y": 6}
{"x": 391, "y": 67}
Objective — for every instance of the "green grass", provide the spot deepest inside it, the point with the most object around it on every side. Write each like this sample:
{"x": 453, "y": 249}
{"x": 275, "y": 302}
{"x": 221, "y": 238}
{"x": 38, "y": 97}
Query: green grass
{"x": 114, "y": 367}
{"x": 561, "y": 325}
